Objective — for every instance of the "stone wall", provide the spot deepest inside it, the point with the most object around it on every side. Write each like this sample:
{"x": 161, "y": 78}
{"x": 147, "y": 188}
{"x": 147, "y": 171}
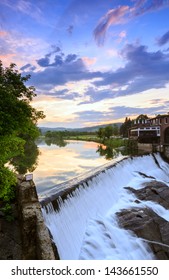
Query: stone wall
{"x": 145, "y": 147}
{"x": 36, "y": 241}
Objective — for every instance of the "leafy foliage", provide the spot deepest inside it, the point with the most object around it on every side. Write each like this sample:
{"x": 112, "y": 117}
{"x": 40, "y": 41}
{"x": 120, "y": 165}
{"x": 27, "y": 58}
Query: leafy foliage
{"x": 16, "y": 114}
{"x": 17, "y": 124}
{"x": 107, "y": 132}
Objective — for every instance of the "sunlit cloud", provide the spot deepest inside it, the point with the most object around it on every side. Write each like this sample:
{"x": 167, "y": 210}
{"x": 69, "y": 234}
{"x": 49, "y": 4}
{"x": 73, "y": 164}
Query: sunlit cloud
{"x": 3, "y": 33}
{"x": 7, "y": 58}
{"x": 113, "y": 17}
{"x": 123, "y": 14}
{"x": 89, "y": 61}
{"x": 14, "y": 44}
{"x": 122, "y": 35}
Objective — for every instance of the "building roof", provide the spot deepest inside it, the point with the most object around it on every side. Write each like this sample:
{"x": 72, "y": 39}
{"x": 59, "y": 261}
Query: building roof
{"x": 160, "y": 116}
{"x": 143, "y": 125}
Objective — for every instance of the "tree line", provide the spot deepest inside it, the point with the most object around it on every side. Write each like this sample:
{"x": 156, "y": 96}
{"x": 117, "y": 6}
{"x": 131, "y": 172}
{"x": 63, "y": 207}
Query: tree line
{"x": 103, "y": 133}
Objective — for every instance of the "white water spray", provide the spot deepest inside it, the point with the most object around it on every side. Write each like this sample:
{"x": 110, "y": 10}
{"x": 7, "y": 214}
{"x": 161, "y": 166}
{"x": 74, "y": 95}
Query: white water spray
{"x": 85, "y": 227}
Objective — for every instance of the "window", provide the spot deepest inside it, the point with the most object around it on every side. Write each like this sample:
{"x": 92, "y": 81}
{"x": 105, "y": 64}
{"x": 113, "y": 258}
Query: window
{"x": 166, "y": 120}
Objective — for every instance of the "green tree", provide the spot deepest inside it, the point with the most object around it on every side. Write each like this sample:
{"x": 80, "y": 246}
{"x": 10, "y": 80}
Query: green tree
{"x": 18, "y": 120}
{"x": 125, "y": 127}
{"x": 101, "y": 133}
{"x": 16, "y": 113}
{"x": 108, "y": 131}
{"x": 115, "y": 130}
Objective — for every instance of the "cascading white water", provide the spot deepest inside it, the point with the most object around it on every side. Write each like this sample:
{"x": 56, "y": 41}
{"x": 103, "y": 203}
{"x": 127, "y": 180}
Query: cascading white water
{"x": 85, "y": 226}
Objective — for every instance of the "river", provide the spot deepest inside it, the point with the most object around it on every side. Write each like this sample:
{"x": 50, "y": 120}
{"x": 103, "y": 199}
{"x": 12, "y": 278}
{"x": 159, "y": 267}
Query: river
{"x": 59, "y": 164}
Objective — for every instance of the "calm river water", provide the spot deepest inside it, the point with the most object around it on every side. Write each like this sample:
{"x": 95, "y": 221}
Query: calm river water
{"x": 59, "y": 164}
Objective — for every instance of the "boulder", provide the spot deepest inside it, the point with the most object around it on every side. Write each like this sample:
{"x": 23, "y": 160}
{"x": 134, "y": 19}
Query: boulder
{"x": 149, "y": 226}
{"x": 154, "y": 191}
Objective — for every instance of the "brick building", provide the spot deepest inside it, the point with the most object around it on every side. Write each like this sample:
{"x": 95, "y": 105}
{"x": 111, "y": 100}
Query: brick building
{"x": 154, "y": 130}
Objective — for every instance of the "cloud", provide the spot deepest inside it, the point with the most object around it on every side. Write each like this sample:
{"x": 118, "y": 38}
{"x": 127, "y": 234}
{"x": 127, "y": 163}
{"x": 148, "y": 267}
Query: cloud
{"x": 63, "y": 69}
{"x": 58, "y": 59}
{"x": 117, "y": 112}
{"x": 123, "y": 14}
{"x": 163, "y": 39}
{"x": 70, "y": 58}
{"x": 93, "y": 94}
{"x": 143, "y": 71}
{"x": 70, "y": 29}
{"x": 3, "y": 33}
{"x": 28, "y": 66}
{"x": 43, "y": 62}
{"x": 26, "y": 7}
{"x": 89, "y": 61}
{"x": 93, "y": 116}
{"x": 126, "y": 111}
{"x": 122, "y": 35}
{"x": 144, "y": 6}
{"x": 76, "y": 12}
{"x": 114, "y": 16}
{"x": 65, "y": 94}
{"x": 112, "y": 52}
{"x": 20, "y": 47}
{"x": 25, "y": 67}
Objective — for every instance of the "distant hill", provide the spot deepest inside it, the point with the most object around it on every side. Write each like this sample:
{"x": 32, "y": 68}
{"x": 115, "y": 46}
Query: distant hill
{"x": 87, "y": 129}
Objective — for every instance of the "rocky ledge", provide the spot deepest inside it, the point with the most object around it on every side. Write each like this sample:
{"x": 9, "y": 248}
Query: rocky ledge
{"x": 147, "y": 224}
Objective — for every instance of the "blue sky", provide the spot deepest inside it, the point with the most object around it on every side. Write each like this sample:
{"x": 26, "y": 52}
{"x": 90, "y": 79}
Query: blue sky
{"x": 91, "y": 62}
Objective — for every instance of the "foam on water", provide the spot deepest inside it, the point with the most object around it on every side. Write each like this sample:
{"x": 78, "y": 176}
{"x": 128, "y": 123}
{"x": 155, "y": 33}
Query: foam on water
{"x": 85, "y": 225}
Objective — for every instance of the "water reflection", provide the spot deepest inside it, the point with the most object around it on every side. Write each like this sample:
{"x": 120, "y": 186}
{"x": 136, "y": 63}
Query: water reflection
{"x": 57, "y": 141}
{"x": 54, "y": 161}
{"x": 28, "y": 160}
{"x": 107, "y": 152}
{"x": 57, "y": 164}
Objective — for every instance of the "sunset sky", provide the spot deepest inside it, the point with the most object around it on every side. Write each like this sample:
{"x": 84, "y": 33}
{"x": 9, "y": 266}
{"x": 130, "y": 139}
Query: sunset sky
{"x": 91, "y": 61}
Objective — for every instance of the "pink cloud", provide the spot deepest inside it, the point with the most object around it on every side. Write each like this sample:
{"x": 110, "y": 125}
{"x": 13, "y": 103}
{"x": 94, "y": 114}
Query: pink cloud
{"x": 122, "y": 34}
{"x": 123, "y": 14}
{"x": 114, "y": 16}
{"x": 89, "y": 61}
{"x": 3, "y": 33}
{"x": 6, "y": 59}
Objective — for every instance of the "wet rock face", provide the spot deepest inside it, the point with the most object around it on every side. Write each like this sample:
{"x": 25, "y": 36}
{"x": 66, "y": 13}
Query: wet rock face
{"x": 145, "y": 223}
{"x": 153, "y": 191}
{"x": 148, "y": 225}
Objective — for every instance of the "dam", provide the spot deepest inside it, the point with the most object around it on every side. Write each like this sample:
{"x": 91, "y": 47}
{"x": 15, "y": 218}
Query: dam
{"x": 89, "y": 216}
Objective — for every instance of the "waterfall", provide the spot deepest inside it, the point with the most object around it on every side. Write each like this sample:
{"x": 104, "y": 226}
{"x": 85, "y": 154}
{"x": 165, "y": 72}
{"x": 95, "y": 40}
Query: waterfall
{"x": 85, "y": 226}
